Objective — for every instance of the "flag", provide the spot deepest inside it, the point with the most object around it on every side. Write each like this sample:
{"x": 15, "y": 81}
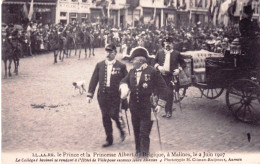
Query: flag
{"x": 108, "y": 10}
{"x": 133, "y": 3}
{"x": 31, "y": 11}
{"x": 213, "y": 10}
{"x": 216, "y": 13}
{"x": 103, "y": 4}
{"x": 25, "y": 11}
{"x": 223, "y": 11}
{"x": 177, "y": 4}
{"x": 154, "y": 15}
{"x": 199, "y": 4}
{"x": 166, "y": 2}
{"x": 231, "y": 10}
{"x": 191, "y": 3}
{"x": 183, "y": 5}
{"x": 210, "y": 5}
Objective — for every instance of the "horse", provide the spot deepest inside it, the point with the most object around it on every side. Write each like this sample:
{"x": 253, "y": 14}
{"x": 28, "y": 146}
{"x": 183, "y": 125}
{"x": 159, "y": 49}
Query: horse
{"x": 12, "y": 50}
{"x": 58, "y": 45}
{"x": 89, "y": 43}
{"x": 7, "y": 55}
{"x": 78, "y": 36}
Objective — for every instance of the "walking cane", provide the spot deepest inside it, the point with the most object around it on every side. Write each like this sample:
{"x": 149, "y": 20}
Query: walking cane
{"x": 158, "y": 129}
{"x": 120, "y": 109}
{"x": 154, "y": 103}
{"x": 176, "y": 94}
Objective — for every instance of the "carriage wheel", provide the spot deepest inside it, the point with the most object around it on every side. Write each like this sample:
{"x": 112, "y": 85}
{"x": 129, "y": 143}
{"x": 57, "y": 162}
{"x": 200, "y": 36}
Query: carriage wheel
{"x": 242, "y": 99}
{"x": 212, "y": 93}
{"x": 179, "y": 94}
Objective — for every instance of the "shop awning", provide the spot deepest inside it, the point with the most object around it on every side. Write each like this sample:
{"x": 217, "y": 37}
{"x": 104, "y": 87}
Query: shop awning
{"x": 35, "y": 3}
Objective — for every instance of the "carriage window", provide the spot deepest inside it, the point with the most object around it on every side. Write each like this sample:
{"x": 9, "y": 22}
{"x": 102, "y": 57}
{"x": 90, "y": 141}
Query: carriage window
{"x": 84, "y": 1}
{"x": 63, "y": 14}
{"x": 84, "y": 15}
{"x": 74, "y": 0}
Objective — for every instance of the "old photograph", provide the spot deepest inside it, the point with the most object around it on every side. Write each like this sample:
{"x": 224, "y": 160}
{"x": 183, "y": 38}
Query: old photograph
{"x": 122, "y": 81}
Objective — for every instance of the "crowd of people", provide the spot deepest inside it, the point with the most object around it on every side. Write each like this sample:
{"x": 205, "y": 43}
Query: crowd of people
{"x": 35, "y": 38}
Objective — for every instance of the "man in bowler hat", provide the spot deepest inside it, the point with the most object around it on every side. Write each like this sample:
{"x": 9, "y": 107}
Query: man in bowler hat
{"x": 142, "y": 81}
{"x": 169, "y": 63}
{"x": 108, "y": 73}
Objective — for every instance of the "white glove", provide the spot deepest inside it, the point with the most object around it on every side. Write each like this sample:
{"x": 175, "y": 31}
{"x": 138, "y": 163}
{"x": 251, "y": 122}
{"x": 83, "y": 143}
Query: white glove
{"x": 161, "y": 69}
{"x": 89, "y": 100}
{"x": 124, "y": 90}
{"x": 157, "y": 109}
{"x": 176, "y": 72}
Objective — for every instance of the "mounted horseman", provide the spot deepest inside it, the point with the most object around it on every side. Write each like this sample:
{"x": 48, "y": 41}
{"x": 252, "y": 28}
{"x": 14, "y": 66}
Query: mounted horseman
{"x": 57, "y": 44}
{"x": 88, "y": 41}
{"x": 12, "y": 47}
{"x": 78, "y": 37}
{"x": 7, "y": 51}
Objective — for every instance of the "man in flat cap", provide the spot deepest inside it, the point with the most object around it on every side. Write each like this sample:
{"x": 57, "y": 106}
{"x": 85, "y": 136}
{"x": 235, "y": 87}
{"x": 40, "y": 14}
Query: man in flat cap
{"x": 169, "y": 62}
{"x": 108, "y": 73}
{"x": 143, "y": 81}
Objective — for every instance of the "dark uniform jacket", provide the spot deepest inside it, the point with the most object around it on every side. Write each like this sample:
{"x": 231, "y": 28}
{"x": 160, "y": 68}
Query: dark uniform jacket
{"x": 150, "y": 82}
{"x": 175, "y": 60}
{"x": 248, "y": 28}
{"x": 119, "y": 71}
{"x": 248, "y": 41}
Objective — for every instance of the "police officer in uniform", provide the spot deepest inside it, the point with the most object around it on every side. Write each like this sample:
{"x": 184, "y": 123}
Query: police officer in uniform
{"x": 169, "y": 63}
{"x": 108, "y": 73}
{"x": 143, "y": 80}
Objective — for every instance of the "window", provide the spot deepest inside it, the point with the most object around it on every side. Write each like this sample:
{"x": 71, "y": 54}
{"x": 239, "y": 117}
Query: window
{"x": 74, "y": 0}
{"x": 63, "y": 22}
{"x": 84, "y": 1}
{"x": 63, "y": 14}
{"x": 74, "y": 15}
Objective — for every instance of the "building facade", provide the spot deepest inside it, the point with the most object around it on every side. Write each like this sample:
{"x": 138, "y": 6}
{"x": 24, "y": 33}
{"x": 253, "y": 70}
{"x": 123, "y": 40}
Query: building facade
{"x": 44, "y": 11}
{"x": 120, "y": 13}
{"x": 88, "y": 11}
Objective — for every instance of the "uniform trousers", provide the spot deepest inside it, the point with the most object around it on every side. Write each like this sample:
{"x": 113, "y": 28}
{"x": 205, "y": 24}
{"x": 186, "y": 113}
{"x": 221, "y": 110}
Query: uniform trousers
{"x": 169, "y": 101}
{"x": 109, "y": 105}
{"x": 142, "y": 125}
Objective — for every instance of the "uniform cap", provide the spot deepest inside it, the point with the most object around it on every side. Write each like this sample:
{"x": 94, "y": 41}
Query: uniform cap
{"x": 110, "y": 47}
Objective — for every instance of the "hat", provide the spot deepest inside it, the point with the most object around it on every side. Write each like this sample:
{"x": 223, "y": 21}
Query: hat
{"x": 248, "y": 9}
{"x": 139, "y": 51}
{"x": 168, "y": 39}
{"x": 110, "y": 47}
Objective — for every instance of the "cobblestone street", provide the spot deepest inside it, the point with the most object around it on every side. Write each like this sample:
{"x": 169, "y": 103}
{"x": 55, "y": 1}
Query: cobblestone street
{"x": 71, "y": 124}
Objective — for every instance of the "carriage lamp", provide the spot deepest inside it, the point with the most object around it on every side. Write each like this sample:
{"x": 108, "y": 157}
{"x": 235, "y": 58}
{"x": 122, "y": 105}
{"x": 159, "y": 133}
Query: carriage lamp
{"x": 235, "y": 47}
{"x": 235, "y": 50}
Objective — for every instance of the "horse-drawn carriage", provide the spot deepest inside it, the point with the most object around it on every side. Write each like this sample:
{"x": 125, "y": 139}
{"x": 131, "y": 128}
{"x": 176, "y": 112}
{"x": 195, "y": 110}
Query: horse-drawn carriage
{"x": 213, "y": 73}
